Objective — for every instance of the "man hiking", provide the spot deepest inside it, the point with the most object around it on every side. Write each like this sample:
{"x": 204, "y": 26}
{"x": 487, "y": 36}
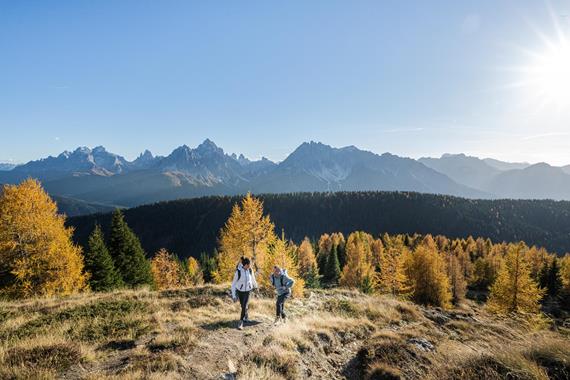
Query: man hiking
{"x": 283, "y": 284}
{"x": 242, "y": 285}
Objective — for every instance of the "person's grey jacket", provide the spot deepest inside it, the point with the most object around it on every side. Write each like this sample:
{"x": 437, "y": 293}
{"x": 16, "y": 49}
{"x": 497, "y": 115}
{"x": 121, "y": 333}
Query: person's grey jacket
{"x": 282, "y": 283}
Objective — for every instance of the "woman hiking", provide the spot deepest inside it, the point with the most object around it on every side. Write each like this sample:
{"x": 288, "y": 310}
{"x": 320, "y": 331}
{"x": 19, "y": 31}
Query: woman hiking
{"x": 242, "y": 285}
{"x": 283, "y": 284}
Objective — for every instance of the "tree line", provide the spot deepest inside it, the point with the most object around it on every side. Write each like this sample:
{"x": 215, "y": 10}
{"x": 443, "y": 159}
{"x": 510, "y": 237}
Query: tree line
{"x": 39, "y": 257}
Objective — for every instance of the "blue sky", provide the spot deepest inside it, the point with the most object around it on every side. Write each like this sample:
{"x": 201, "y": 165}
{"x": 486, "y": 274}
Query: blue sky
{"x": 414, "y": 78}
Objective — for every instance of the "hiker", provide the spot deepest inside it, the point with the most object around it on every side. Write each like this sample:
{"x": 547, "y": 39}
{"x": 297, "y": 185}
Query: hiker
{"x": 242, "y": 285}
{"x": 283, "y": 284}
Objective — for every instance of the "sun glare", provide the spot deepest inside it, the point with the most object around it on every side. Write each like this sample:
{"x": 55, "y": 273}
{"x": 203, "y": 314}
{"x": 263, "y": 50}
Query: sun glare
{"x": 549, "y": 75}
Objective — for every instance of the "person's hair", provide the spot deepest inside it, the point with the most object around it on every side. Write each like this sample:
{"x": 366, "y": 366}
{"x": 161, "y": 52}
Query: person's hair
{"x": 276, "y": 267}
{"x": 245, "y": 261}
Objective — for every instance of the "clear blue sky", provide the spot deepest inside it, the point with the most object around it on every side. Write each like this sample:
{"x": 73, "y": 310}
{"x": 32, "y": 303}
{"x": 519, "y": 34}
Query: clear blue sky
{"x": 411, "y": 77}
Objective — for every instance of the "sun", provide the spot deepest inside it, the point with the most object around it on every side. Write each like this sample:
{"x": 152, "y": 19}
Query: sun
{"x": 548, "y": 74}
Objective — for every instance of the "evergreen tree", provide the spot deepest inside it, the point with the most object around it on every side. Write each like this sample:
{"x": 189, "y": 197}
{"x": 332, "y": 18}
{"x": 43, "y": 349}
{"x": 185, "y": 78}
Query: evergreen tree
{"x": 332, "y": 272}
{"x": 127, "y": 253}
{"x": 208, "y": 265}
{"x": 99, "y": 264}
{"x": 550, "y": 278}
{"x": 514, "y": 290}
{"x": 37, "y": 255}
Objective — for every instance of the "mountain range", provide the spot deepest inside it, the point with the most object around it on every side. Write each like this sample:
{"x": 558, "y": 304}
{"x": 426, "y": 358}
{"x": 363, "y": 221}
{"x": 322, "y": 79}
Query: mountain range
{"x": 99, "y": 177}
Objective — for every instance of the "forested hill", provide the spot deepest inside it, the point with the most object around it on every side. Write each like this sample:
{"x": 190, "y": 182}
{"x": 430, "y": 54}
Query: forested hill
{"x": 188, "y": 227}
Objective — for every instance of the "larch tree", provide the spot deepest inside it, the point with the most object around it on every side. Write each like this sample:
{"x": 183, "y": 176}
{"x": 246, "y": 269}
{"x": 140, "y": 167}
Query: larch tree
{"x": 281, "y": 253}
{"x": 565, "y": 273}
{"x": 308, "y": 269}
{"x": 166, "y": 270}
{"x": 37, "y": 255}
{"x": 456, "y": 276}
{"x": 127, "y": 253}
{"x": 99, "y": 264}
{"x": 514, "y": 290}
{"x": 194, "y": 272}
{"x": 426, "y": 273}
{"x": 358, "y": 271}
{"x": 392, "y": 278}
{"x": 247, "y": 232}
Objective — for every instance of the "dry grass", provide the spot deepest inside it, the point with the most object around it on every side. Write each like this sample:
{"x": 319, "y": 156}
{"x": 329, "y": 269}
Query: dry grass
{"x": 189, "y": 333}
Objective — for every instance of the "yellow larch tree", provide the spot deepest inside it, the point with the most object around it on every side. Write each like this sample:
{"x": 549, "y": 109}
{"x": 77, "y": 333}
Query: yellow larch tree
{"x": 194, "y": 272}
{"x": 426, "y": 273}
{"x": 248, "y": 233}
{"x": 308, "y": 269}
{"x": 392, "y": 278}
{"x": 37, "y": 255}
{"x": 281, "y": 253}
{"x": 358, "y": 271}
{"x": 514, "y": 290}
{"x": 565, "y": 273}
{"x": 166, "y": 270}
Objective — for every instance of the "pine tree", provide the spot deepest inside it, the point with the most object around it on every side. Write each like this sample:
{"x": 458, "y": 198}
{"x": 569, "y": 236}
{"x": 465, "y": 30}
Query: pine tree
{"x": 426, "y": 274}
{"x": 550, "y": 278}
{"x": 99, "y": 264}
{"x": 127, "y": 253}
{"x": 332, "y": 271}
{"x": 514, "y": 290}
{"x": 208, "y": 265}
{"x": 37, "y": 255}
{"x": 166, "y": 270}
{"x": 248, "y": 233}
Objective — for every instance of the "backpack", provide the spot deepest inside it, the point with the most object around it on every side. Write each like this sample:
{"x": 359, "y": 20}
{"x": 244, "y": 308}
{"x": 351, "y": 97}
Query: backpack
{"x": 273, "y": 280}
{"x": 239, "y": 273}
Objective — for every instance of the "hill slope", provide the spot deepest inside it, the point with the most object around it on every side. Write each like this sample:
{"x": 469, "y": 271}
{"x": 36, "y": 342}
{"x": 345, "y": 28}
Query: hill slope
{"x": 338, "y": 334}
{"x": 188, "y": 227}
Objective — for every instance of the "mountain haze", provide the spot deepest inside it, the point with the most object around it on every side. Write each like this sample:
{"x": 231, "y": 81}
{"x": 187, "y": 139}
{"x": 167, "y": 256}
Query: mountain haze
{"x": 99, "y": 177}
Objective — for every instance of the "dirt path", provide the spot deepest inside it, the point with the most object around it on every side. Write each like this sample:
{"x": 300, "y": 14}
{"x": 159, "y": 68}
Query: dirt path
{"x": 222, "y": 345}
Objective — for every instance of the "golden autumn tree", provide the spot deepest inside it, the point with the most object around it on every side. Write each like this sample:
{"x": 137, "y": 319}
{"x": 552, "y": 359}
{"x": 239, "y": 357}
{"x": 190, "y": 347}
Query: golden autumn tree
{"x": 426, "y": 273}
{"x": 359, "y": 269}
{"x": 166, "y": 270}
{"x": 456, "y": 276}
{"x": 281, "y": 253}
{"x": 194, "y": 272}
{"x": 514, "y": 290}
{"x": 392, "y": 278}
{"x": 308, "y": 269}
{"x": 565, "y": 273}
{"x": 37, "y": 255}
{"x": 247, "y": 232}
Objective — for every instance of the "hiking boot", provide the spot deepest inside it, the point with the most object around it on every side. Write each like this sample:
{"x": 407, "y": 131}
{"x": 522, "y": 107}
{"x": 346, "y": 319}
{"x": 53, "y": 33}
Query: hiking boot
{"x": 240, "y": 325}
{"x": 277, "y": 319}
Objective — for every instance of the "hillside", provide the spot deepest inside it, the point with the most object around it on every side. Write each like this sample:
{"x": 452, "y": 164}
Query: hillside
{"x": 190, "y": 333}
{"x": 188, "y": 227}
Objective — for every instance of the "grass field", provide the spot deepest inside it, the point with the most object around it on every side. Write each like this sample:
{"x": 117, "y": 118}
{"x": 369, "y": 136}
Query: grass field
{"x": 190, "y": 333}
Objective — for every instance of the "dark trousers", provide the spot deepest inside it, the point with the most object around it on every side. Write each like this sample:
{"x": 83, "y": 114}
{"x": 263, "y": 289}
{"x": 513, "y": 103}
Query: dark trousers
{"x": 280, "y": 305}
{"x": 243, "y": 301}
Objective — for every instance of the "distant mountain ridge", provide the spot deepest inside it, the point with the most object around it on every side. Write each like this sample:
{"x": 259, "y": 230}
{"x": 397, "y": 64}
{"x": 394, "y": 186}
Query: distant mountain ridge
{"x": 503, "y": 179}
{"x": 100, "y": 177}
